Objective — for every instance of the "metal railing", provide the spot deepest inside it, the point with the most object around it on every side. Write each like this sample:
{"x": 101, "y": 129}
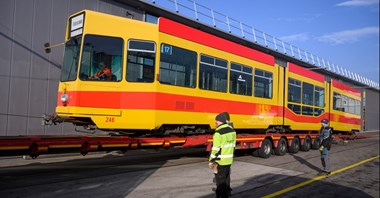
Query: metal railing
{"x": 191, "y": 9}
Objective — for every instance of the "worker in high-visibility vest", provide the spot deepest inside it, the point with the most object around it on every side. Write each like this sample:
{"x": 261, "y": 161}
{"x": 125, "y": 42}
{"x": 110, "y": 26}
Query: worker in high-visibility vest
{"x": 222, "y": 153}
{"x": 325, "y": 140}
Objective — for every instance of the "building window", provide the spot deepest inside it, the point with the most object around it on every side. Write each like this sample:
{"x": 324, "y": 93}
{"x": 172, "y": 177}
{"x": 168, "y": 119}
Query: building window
{"x": 141, "y": 61}
{"x": 263, "y": 84}
{"x": 213, "y": 74}
{"x": 151, "y": 18}
{"x": 240, "y": 79}
{"x": 177, "y": 66}
{"x": 281, "y": 62}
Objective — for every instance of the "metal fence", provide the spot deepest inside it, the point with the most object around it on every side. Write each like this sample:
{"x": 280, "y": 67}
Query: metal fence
{"x": 192, "y": 9}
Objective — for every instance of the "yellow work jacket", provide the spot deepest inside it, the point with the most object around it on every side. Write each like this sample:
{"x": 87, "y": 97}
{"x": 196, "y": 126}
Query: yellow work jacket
{"x": 223, "y": 145}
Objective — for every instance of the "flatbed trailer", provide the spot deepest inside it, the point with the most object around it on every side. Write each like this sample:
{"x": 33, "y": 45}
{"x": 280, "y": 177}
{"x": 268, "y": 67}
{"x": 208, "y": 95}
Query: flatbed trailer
{"x": 263, "y": 144}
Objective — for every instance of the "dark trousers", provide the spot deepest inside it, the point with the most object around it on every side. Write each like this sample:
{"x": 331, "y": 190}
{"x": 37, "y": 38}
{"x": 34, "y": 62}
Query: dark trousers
{"x": 222, "y": 179}
{"x": 325, "y": 160}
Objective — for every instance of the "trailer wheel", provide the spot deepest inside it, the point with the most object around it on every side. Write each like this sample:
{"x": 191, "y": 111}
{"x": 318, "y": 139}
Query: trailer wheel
{"x": 316, "y": 144}
{"x": 266, "y": 149}
{"x": 306, "y": 144}
{"x": 281, "y": 147}
{"x": 295, "y": 146}
{"x": 255, "y": 153}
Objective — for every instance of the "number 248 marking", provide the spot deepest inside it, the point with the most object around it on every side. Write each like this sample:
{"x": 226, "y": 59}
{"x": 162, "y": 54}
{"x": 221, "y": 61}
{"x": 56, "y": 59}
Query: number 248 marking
{"x": 110, "y": 119}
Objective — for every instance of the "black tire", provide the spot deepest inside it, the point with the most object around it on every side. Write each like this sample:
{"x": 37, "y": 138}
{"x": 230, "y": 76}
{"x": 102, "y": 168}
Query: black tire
{"x": 282, "y": 147}
{"x": 266, "y": 149}
{"x": 255, "y": 152}
{"x": 306, "y": 144}
{"x": 295, "y": 146}
{"x": 315, "y": 144}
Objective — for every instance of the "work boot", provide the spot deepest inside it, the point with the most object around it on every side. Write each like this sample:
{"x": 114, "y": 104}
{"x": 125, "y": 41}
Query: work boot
{"x": 324, "y": 173}
{"x": 327, "y": 172}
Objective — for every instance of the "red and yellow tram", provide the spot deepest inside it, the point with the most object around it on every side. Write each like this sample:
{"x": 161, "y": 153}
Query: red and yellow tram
{"x": 172, "y": 78}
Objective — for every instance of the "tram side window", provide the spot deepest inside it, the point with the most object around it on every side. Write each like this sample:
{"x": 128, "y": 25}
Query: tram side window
{"x": 141, "y": 60}
{"x": 307, "y": 110}
{"x": 318, "y": 111}
{"x": 101, "y": 58}
{"x": 344, "y": 103}
{"x": 294, "y": 90}
{"x": 351, "y": 105}
{"x": 319, "y": 100}
{"x": 307, "y": 93}
{"x": 319, "y": 96}
{"x": 178, "y": 66}
{"x": 213, "y": 74}
{"x": 337, "y": 102}
{"x": 295, "y": 108}
{"x": 70, "y": 62}
{"x": 263, "y": 84}
{"x": 241, "y": 79}
{"x": 357, "y": 107}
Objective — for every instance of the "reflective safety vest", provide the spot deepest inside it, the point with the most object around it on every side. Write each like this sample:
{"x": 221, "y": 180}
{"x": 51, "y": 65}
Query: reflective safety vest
{"x": 223, "y": 145}
{"x": 325, "y": 137}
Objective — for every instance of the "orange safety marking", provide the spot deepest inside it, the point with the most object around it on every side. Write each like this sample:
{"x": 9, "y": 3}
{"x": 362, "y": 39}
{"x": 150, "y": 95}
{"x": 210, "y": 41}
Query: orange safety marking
{"x": 114, "y": 145}
{"x": 177, "y": 141}
{"x": 248, "y": 139}
{"x": 64, "y": 146}
{"x": 151, "y": 144}
{"x": 14, "y": 148}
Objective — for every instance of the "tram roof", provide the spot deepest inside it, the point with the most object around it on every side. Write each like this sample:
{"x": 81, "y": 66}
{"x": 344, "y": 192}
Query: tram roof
{"x": 154, "y": 9}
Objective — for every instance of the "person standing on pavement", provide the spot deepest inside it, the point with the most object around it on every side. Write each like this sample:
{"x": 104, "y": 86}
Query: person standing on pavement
{"x": 232, "y": 126}
{"x": 223, "y": 147}
{"x": 325, "y": 139}
{"x": 228, "y": 119}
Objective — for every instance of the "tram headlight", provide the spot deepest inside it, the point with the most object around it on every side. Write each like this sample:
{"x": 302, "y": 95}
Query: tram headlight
{"x": 64, "y": 98}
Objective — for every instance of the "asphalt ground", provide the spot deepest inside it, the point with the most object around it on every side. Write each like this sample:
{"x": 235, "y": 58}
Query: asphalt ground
{"x": 185, "y": 173}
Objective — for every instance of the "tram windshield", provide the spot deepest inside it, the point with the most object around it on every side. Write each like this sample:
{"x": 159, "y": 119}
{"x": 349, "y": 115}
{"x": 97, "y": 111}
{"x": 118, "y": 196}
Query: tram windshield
{"x": 70, "y": 60}
{"x": 101, "y": 58}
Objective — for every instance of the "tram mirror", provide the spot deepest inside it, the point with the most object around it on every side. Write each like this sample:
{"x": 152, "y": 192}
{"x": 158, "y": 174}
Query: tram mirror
{"x": 47, "y": 48}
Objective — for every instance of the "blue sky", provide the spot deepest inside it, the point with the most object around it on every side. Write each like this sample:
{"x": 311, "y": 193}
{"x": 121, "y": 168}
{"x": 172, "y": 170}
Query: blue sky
{"x": 344, "y": 32}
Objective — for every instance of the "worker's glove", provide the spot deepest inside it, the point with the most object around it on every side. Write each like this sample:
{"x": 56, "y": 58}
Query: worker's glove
{"x": 321, "y": 148}
{"x": 213, "y": 166}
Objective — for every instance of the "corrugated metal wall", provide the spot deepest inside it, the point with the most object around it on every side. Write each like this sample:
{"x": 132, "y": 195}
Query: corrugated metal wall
{"x": 28, "y": 76}
{"x": 372, "y": 110}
